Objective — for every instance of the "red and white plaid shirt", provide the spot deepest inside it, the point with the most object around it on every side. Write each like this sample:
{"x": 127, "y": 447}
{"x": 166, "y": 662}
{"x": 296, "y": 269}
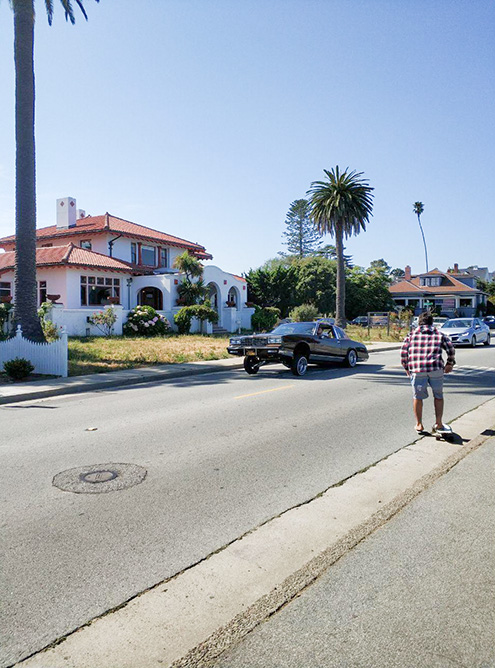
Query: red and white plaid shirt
{"x": 422, "y": 350}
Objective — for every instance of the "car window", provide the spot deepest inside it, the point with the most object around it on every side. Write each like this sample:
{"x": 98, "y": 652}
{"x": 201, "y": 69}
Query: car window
{"x": 294, "y": 328}
{"x": 339, "y": 333}
{"x": 452, "y": 324}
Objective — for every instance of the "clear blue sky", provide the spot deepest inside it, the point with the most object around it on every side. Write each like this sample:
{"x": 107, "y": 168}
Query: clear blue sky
{"x": 207, "y": 118}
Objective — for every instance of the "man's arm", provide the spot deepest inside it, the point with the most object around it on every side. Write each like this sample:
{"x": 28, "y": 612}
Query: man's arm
{"x": 450, "y": 350}
{"x": 404, "y": 354}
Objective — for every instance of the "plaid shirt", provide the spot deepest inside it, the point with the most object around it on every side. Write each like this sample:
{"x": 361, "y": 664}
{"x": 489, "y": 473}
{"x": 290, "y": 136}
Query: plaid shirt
{"x": 422, "y": 350}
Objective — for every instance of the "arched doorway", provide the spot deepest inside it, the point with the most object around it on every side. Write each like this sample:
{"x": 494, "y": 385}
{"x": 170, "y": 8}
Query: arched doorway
{"x": 214, "y": 296}
{"x": 151, "y": 297}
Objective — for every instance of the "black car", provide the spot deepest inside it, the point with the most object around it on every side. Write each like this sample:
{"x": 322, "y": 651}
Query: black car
{"x": 297, "y": 344}
{"x": 490, "y": 321}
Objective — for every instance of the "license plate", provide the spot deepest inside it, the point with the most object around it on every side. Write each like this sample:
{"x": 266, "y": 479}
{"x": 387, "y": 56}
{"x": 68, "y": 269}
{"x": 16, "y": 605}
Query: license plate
{"x": 250, "y": 352}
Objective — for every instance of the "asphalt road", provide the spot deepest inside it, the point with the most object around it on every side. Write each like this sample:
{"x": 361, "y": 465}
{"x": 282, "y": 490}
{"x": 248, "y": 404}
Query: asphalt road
{"x": 223, "y": 453}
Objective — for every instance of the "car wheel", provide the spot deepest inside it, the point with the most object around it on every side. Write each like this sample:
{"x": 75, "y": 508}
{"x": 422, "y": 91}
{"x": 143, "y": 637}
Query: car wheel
{"x": 299, "y": 365}
{"x": 487, "y": 342}
{"x": 351, "y": 359}
{"x": 251, "y": 365}
{"x": 473, "y": 342}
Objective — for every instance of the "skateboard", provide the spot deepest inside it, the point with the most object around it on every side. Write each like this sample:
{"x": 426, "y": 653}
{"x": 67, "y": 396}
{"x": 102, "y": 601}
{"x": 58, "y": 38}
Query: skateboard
{"x": 445, "y": 434}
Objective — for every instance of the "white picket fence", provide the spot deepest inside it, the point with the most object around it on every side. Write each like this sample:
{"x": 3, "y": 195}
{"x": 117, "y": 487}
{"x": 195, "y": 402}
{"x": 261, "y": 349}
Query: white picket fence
{"x": 47, "y": 358}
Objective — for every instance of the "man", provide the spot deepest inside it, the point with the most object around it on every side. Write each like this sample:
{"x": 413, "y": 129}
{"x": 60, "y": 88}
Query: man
{"x": 421, "y": 357}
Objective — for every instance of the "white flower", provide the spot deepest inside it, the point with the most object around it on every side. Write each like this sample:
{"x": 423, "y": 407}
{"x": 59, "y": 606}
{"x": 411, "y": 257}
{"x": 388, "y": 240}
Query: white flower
{"x": 146, "y": 324}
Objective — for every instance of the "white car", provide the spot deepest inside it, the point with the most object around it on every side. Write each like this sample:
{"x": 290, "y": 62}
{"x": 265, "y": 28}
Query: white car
{"x": 467, "y": 331}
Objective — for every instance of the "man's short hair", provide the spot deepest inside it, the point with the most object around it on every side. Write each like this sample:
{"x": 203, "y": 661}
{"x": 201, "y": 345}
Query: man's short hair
{"x": 425, "y": 318}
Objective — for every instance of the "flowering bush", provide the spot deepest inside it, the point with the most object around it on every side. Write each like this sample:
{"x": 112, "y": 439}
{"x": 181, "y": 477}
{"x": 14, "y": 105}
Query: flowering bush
{"x": 104, "y": 320}
{"x": 145, "y": 321}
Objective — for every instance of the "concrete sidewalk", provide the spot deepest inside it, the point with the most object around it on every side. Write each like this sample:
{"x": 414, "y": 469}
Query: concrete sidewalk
{"x": 400, "y": 589}
{"x": 39, "y": 389}
{"x": 419, "y": 592}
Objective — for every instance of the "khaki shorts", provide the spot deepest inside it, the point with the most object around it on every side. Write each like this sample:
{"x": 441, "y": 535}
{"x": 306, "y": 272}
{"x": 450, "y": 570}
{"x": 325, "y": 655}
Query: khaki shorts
{"x": 420, "y": 382}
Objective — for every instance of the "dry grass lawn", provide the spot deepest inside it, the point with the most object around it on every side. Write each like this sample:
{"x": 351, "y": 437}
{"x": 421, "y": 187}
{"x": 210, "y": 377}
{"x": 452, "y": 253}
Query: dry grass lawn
{"x": 98, "y": 354}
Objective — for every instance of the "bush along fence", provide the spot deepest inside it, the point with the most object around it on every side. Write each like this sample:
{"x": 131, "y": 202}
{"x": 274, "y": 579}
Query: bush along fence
{"x": 47, "y": 358}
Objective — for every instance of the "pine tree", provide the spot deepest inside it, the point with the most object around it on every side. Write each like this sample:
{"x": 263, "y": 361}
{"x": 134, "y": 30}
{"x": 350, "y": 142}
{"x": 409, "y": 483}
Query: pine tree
{"x": 302, "y": 237}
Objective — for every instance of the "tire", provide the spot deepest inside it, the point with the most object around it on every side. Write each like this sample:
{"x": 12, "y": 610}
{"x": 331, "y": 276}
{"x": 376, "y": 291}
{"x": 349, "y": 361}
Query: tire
{"x": 251, "y": 365}
{"x": 351, "y": 358}
{"x": 299, "y": 365}
{"x": 487, "y": 342}
{"x": 473, "y": 342}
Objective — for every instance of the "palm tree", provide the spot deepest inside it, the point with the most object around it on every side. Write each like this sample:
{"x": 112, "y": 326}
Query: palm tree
{"x": 418, "y": 210}
{"x": 25, "y": 311}
{"x": 341, "y": 206}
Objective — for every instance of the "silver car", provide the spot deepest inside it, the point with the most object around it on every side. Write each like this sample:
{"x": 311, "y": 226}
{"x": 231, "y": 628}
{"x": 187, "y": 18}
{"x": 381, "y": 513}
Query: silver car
{"x": 467, "y": 331}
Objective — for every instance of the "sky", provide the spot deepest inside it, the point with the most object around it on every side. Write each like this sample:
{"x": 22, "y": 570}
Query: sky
{"x": 205, "y": 119}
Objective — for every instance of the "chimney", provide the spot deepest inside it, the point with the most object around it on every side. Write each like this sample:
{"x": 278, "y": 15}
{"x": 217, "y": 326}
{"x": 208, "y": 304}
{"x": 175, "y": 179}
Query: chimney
{"x": 80, "y": 214}
{"x": 66, "y": 213}
{"x": 456, "y": 268}
{"x": 407, "y": 275}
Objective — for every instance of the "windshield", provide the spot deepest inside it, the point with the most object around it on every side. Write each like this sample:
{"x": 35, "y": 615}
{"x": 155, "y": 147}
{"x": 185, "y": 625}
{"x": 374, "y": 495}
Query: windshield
{"x": 457, "y": 323}
{"x": 294, "y": 328}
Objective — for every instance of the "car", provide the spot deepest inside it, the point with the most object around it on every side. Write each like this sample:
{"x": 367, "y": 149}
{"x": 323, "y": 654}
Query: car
{"x": 490, "y": 321}
{"x": 361, "y": 321}
{"x": 438, "y": 321}
{"x": 296, "y": 345}
{"x": 467, "y": 331}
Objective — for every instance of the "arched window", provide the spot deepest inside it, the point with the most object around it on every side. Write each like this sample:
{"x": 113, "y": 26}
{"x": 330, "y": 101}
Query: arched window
{"x": 233, "y": 297}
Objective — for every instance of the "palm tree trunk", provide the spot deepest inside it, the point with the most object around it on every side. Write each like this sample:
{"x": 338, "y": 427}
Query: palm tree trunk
{"x": 25, "y": 311}
{"x": 424, "y": 242}
{"x": 340, "y": 292}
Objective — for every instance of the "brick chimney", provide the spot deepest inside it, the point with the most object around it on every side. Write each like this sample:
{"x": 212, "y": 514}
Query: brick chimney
{"x": 66, "y": 213}
{"x": 407, "y": 276}
{"x": 456, "y": 268}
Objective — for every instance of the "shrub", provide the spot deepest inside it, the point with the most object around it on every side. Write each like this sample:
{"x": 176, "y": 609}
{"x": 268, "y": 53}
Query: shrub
{"x": 50, "y": 330}
{"x": 201, "y": 311}
{"x": 145, "y": 321}
{"x": 304, "y": 313}
{"x": 264, "y": 319}
{"x": 104, "y": 320}
{"x": 18, "y": 368}
{"x": 4, "y": 313}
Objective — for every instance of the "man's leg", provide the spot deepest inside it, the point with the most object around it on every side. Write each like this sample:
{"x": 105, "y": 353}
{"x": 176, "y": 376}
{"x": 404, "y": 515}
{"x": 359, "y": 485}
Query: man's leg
{"x": 418, "y": 412}
{"x": 439, "y": 412}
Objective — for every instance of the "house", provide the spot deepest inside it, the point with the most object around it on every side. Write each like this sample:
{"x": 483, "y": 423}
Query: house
{"x": 451, "y": 293}
{"x": 84, "y": 263}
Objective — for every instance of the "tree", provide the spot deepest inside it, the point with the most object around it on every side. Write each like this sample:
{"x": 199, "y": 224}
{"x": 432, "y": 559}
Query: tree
{"x": 340, "y": 206}
{"x": 330, "y": 253}
{"x": 191, "y": 291}
{"x": 397, "y": 273}
{"x": 418, "y": 210}
{"x": 302, "y": 238}
{"x": 368, "y": 290}
{"x": 25, "y": 311}
{"x": 316, "y": 280}
{"x": 273, "y": 286}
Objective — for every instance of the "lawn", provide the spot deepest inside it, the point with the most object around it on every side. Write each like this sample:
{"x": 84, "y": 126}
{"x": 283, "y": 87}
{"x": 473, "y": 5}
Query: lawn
{"x": 98, "y": 354}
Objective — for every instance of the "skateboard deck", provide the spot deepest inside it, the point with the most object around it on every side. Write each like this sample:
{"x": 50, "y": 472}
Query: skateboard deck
{"x": 445, "y": 434}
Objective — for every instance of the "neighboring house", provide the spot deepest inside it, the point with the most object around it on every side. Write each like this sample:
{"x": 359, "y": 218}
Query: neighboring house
{"x": 451, "y": 293}
{"x": 480, "y": 272}
{"x": 86, "y": 262}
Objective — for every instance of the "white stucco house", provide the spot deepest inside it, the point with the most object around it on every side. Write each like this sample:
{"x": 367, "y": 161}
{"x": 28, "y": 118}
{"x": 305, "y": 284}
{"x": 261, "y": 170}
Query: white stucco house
{"x": 85, "y": 263}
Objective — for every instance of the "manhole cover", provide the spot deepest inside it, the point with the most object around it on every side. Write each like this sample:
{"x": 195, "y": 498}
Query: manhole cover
{"x": 100, "y": 478}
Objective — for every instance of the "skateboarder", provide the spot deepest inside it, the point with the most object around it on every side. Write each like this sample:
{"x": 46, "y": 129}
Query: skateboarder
{"x": 421, "y": 357}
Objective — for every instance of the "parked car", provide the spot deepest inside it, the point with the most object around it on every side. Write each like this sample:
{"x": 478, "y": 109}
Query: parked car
{"x": 490, "y": 321}
{"x": 438, "y": 321}
{"x": 361, "y": 321}
{"x": 467, "y": 331}
{"x": 296, "y": 345}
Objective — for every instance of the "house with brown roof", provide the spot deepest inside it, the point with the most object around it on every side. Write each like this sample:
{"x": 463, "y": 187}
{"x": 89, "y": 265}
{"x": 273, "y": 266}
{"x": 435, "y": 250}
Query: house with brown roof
{"x": 86, "y": 262}
{"x": 450, "y": 293}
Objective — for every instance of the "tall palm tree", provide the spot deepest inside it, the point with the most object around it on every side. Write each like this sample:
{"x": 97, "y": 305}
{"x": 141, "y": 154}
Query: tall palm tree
{"x": 418, "y": 210}
{"x": 25, "y": 311}
{"x": 340, "y": 206}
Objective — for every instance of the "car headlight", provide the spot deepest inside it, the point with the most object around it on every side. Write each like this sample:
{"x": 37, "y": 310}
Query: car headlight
{"x": 274, "y": 339}
{"x": 235, "y": 342}
{"x": 464, "y": 334}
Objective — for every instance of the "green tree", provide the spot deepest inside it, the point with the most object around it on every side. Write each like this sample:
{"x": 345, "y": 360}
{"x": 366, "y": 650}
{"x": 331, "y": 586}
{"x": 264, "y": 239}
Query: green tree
{"x": 192, "y": 289}
{"x": 302, "y": 238}
{"x": 368, "y": 290}
{"x": 330, "y": 252}
{"x": 316, "y": 283}
{"x": 398, "y": 273}
{"x": 25, "y": 311}
{"x": 418, "y": 209}
{"x": 341, "y": 206}
{"x": 274, "y": 287}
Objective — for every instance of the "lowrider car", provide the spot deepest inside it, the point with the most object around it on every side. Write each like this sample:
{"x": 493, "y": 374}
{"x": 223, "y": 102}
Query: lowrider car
{"x": 297, "y": 344}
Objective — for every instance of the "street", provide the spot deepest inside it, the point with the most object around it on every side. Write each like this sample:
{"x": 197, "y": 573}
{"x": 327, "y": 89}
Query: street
{"x": 223, "y": 454}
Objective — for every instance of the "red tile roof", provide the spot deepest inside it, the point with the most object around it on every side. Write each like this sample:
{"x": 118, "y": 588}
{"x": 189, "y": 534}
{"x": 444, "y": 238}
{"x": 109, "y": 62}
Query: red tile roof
{"x": 450, "y": 284}
{"x": 71, "y": 256}
{"x": 113, "y": 225}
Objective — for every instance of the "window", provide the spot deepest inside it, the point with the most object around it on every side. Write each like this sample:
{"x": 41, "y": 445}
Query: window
{"x": 148, "y": 256}
{"x": 42, "y": 292}
{"x": 95, "y": 291}
{"x": 5, "y": 290}
{"x": 46, "y": 245}
{"x": 86, "y": 245}
{"x": 133, "y": 253}
{"x": 465, "y": 303}
{"x": 232, "y": 297}
{"x": 164, "y": 257}
{"x": 430, "y": 281}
